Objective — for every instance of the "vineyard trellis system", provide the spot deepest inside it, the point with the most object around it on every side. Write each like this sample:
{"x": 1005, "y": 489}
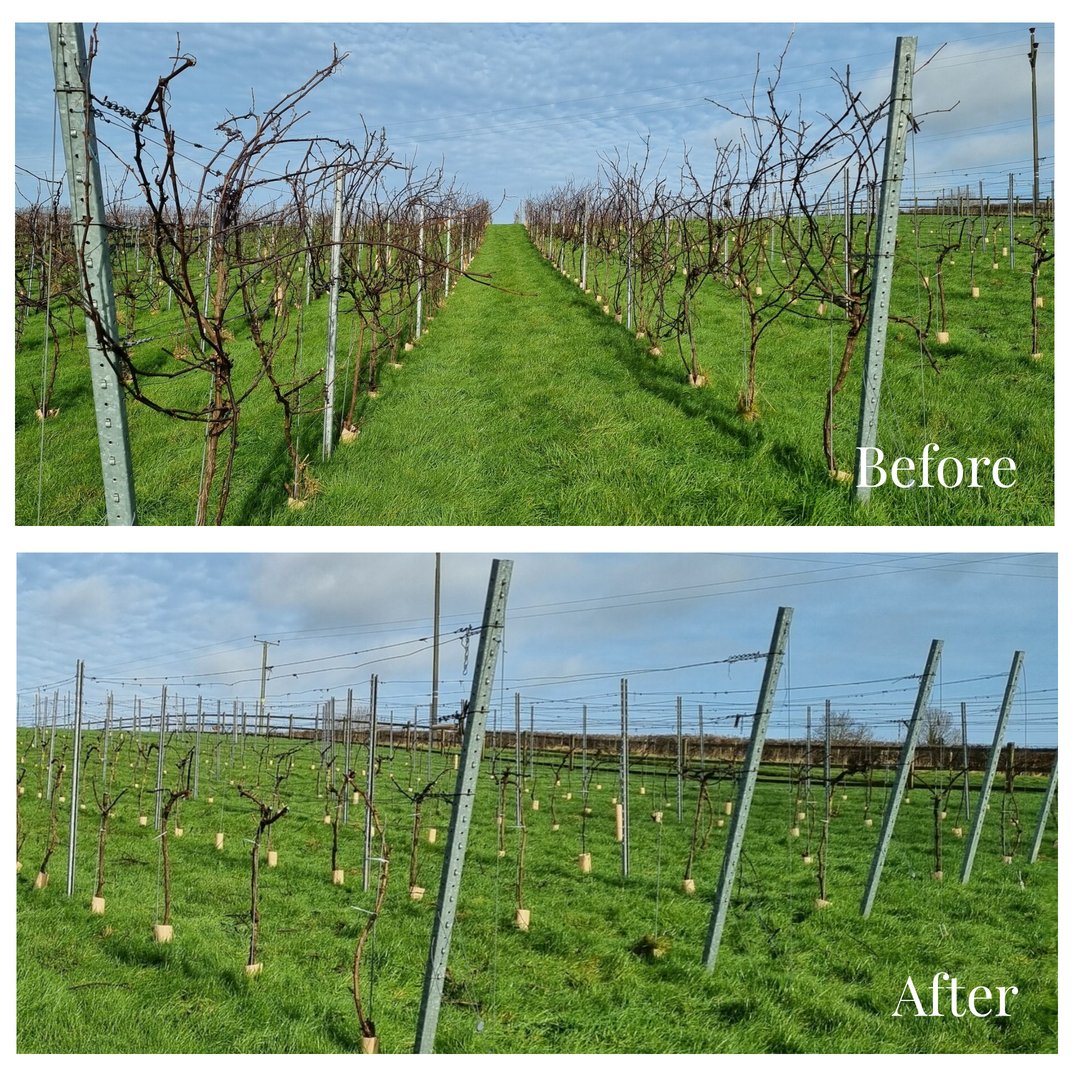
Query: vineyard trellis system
{"x": 803, "y": 785}
{"x": 216, "y": 273}
{"x": 797, "y": 221}
{"x": 205, "y": 282}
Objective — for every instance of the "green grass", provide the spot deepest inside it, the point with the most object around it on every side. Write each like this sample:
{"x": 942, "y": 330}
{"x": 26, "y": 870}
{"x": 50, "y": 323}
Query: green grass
{"x": 790, "y": 978}
{"x": 525, "y": 405}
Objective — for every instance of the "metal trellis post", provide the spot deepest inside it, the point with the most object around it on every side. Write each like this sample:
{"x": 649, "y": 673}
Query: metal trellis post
{"x": 491, "y": 634}
{"x": 701, "y": 733}
{"x": 517, "y": 756}
{"x": 624, "y": 773}
{"x": 584, "y": 753}
{"x": 805, "y": 785}
{"x": 823, "y": 850}
{"x": 877, "y": 323}
{"x": 991, "y": 768}
{"x": 331, "y": 330}
{"x": 420, "y": 283}
{"x": 827, "y": 764}
{"x": 75, "y": 752}
{"x": 1012, "y": 224}
{"x": 1044, "y": 813}
{"x": 585, "y": 246}
{"x": 105, "y": 741}
{"x": 446, "y": 269}
{"x": 532, "y": 746}
{"x": 678, "y": 758}
{"x": 964, "y": 746}
{"x": 198, "y": 741}
{"x": 373, "y": 732}
{"x": 903, "y": 768}
{"x": 348, "y": 747}
{"x": 91, "y": 241}
{"x": 746, "y": 786}
{"x": 52, "y": 745}
{"x": 160, "y": 757}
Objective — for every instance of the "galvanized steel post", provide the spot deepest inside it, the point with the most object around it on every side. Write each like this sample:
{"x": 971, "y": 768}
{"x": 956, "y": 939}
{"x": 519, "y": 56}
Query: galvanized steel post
{"x": 160, "y": 758}
{"x": 769, "y": 679}
{"x": 828, "y": 743}
{"x": 585, "y": 245}
{"x": 446, "y": 269}
{"x": 532, "y": 746}
{"x": 964, "y": 746}
{"x": 105, "y": 741}
{"x": 198, "y": 741}
{"x": 1044, "y": 813}
{"x": 991, "y": 768}
{"x": 76, "y": 127}
{"x": 491, "y": 634}
{"x": 373, "y": 734}
{"x": 348, "y": 748}
{"x": 624, "y": 773}
{"x": 584, "y": 754}
{"x": 903, "y": 768}
{"x": 678, "y": 758}
{"x": 75, "y": 762}
{"x": 827, "y": 781}
{"x": 1012, "y": 222}
{"x": 877, "y": 322}
{"x": 52, "y": 745}
{"x": 701, "y": 733}
{"x": 420, "y": 283}
{"x": 331, "y": 330}
{"x": 517, "y": 757}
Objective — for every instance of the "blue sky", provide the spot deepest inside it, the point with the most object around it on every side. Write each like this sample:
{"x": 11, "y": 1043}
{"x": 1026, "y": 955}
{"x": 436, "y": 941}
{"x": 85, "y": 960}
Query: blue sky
{"x": 513, "y": 109}
{"x": 861, "y": 629}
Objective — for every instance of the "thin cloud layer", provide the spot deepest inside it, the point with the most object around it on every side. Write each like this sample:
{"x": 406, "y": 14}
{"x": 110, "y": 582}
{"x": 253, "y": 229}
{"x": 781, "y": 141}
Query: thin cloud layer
{"x": 671, "y": 624}
{"x": 514, "y": 109}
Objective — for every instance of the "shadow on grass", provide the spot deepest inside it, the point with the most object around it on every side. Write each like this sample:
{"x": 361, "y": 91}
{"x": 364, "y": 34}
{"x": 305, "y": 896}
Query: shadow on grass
{"x": 698, "y": 404}
{"x": 663, "y": 384}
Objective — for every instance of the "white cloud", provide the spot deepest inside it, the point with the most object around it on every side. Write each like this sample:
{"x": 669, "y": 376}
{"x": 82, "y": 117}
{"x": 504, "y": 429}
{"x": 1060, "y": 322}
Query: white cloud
{"x": 521, "y": 108}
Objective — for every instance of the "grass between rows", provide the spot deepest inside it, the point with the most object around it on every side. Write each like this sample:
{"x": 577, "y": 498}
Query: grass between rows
{"x": 526, "y": 405}
{"x": 790, "y": 977}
